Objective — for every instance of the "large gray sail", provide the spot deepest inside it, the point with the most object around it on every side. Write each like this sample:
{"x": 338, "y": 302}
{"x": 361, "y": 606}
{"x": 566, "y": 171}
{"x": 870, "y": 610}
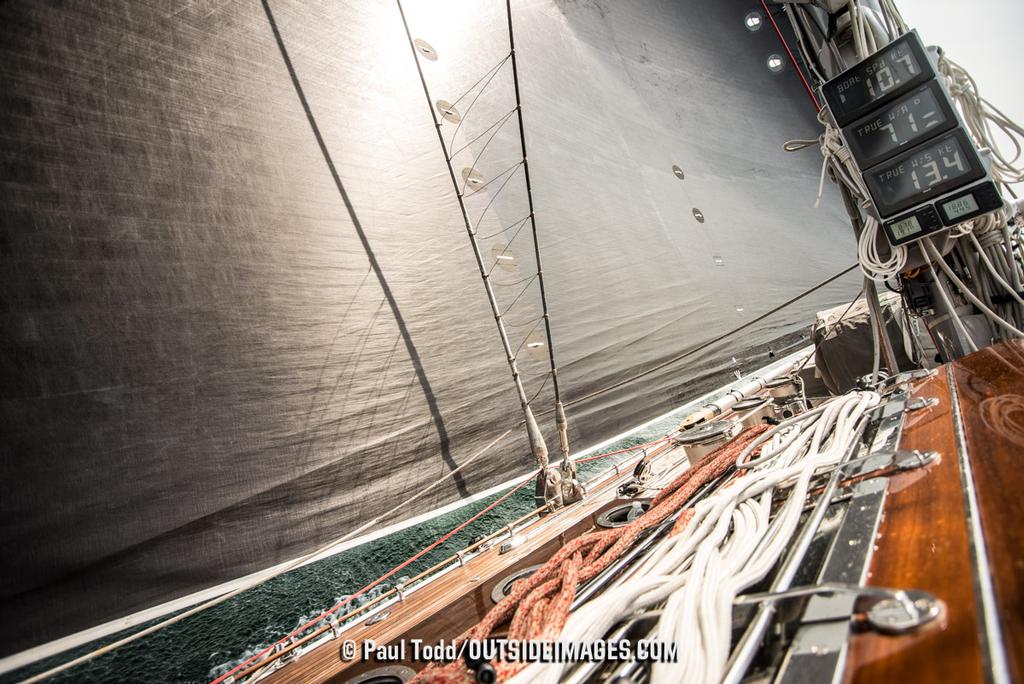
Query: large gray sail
{"x": 227, "y": 341}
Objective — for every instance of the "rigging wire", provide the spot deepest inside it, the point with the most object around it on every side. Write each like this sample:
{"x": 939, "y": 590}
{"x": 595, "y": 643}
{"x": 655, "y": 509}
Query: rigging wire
{"x": 497, "y": 192}
{"x": 504, "y": 251}
{"x": 526, "y": 337}
{"x": 513, "y": 284}
{"x": 560, "y": 418}
{"x": 536, "y": 438}
{"x": 505, "y": 230}
{"x": 461, "y": 191}
{"x": 792, "y": 57}
{"x": 514, "y": 167}
{"x": 265, "y": 577}
{"x": 710, "y": 342}
{"x": 521, "y": 293}
{"x": 487, "y": 130}
{"x": 390, "y": 573}
{"x": 493, "y": 73}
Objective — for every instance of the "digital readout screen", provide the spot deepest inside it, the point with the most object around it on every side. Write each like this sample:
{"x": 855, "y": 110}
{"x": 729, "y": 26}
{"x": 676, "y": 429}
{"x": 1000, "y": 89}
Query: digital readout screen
{"x": 905, "y": 228}
{"x": 921, "y": 173}
{"x": 906, "y": 121}
{"x": 961, "y": 206}
{"x": 853, "y": 92}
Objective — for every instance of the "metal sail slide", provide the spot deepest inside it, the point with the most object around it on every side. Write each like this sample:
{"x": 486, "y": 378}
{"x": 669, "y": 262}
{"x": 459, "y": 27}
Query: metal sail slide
{"x": 239, "y": 317}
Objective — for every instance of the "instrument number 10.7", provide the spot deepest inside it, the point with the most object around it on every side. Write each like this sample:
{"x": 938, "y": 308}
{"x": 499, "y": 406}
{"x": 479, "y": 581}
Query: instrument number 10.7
{"x": 885, "y": 78}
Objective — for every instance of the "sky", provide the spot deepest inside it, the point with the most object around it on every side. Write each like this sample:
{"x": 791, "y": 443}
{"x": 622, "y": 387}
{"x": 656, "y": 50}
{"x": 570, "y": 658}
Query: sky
{"x": 984, "y": 37}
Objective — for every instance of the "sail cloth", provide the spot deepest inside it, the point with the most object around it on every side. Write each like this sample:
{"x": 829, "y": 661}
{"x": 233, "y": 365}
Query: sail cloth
{"x": 226, "y": 341}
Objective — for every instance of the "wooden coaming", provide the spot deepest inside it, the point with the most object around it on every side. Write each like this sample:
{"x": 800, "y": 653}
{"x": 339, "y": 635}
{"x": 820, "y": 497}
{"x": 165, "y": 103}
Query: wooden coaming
{"x": 923, "y": 544}
{"x": 990, "y": 385}
{"x": 925, "y": 539}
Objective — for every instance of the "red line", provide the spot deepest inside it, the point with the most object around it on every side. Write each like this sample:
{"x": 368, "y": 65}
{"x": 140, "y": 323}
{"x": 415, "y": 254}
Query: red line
{"x": 371, "y": 585}
{"x": 419, "y": 554}
{"x": 792, "y": 58}
{"x": 621, "y": 451}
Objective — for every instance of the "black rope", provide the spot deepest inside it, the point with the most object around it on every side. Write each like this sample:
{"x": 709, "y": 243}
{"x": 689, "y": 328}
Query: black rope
{"x": 707, "y": 344}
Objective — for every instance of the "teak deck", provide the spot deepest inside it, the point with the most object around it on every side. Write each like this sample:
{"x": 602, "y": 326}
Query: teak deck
{"x": 925, "y": 542}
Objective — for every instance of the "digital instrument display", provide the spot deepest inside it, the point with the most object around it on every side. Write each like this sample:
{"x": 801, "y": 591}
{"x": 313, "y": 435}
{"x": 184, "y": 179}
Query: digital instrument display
{"x": 901, "y": 230}
{"x": 901, "y": 65}
{"x": 961, "y": 206}
{"x": 910, "y": 119}
{"x": 928, "y": 170}
{"x": 912, "y": 226}
{"x": 966, "y": 204}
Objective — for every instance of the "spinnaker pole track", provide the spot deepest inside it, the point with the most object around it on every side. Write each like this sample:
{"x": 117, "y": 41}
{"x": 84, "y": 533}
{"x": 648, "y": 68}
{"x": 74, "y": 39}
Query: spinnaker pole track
{"x": 537, "y": 445}
{"x": 560, "y": 419}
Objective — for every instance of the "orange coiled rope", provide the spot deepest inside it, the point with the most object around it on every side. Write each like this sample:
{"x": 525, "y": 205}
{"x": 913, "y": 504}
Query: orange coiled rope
{"x": 539, "y": 605}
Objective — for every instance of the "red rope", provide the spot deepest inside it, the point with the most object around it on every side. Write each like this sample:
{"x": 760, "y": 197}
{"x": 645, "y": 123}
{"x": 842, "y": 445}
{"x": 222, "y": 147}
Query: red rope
{"x": 539, "y": 605}
{"x": 371, "y": 585}
{"x": 411, "y": 559}
{"x": 792, "y": 58}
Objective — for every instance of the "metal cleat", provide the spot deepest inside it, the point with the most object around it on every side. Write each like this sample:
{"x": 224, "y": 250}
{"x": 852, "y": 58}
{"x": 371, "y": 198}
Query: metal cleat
{"x": 918, "y": 403}
{"x": 890, "y": 611}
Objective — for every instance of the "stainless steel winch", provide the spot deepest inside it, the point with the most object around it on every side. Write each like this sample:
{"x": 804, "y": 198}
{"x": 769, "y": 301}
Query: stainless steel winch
{"x": 786, "y": 393}
{"x": 783, "y": 389}
{"x": 701, "y": 440}
{"x": 753, "y": 410}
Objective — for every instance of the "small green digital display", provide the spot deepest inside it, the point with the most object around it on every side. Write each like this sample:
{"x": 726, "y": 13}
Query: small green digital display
{"x": 961, "y": 206}
{"x": 905, "y": 228}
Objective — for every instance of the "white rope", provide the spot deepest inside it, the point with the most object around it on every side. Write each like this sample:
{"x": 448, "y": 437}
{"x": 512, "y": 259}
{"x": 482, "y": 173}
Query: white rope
{"x": 731, "y": 543}
{"x": 992, "y": 269}
{"x": 872, "y": 263}
{"x": 980, "y": 116}
{"x": 989, "y": 313}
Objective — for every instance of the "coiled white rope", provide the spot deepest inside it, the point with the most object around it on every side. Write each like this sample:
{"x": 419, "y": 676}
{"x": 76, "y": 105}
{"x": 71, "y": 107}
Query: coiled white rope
{"x": 980, "y": 115}
{"x": 731, "y": 543}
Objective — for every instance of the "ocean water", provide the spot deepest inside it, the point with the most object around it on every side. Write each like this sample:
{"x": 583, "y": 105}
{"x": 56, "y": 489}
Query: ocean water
{"x": 204, "y": 646}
